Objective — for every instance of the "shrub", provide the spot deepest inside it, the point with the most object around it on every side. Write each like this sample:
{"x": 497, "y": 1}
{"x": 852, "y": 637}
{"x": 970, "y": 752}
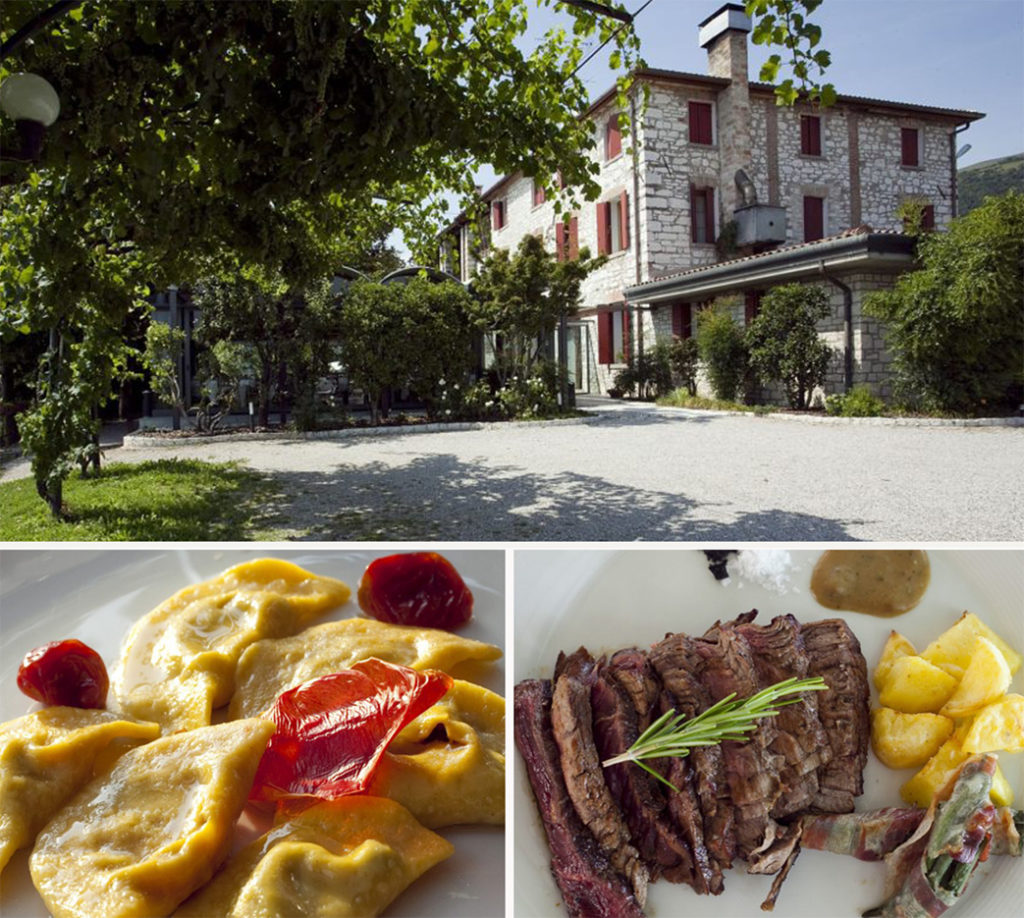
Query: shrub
{"x": 649, "y": 375}
{"x": 859, "y": 402}
{"x": 684, "y": 361}
{"x": 954, "y": 326}
{"x": 784, "y": 344}
{"x": 722, "y": 349}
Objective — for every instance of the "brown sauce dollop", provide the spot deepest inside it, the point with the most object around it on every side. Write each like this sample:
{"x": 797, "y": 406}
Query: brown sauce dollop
{"x": 876, "y": 582}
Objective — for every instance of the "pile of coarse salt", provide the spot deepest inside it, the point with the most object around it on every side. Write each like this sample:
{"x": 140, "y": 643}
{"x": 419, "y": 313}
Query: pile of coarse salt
{"x": 771, "y": 569}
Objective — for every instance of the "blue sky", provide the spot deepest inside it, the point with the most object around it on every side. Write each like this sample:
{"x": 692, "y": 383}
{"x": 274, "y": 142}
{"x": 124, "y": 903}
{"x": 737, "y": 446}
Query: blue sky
{"x": 963, "y": 54}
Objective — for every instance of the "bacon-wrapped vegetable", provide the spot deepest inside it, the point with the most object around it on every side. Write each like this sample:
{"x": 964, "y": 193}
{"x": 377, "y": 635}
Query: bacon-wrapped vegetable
{"x": 931, "y": 869}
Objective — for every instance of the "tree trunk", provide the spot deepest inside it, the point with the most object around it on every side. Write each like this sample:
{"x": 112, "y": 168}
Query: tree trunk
{"x": 54, "y": 498}
{"x": 263, "y": 419}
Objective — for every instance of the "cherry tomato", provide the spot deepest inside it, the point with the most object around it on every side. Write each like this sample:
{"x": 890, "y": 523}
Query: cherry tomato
{"x": 66, "y": 673}
{"x": 417, "y": 588}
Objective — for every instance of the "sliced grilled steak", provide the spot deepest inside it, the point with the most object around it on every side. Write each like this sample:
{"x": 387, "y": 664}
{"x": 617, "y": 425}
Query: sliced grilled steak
{"x": 589, "y": 884}
{"x": 572, "y": 724}
{"x": 834, "y": 654}
{"x": 752, "y": 769}
{"x": 617, "y": 724}
{"x": 703, "y": 771}
{"x": 778, "y": 653}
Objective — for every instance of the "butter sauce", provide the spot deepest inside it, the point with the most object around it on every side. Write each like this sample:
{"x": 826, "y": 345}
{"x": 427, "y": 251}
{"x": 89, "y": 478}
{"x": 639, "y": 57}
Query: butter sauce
{"x": 875, "y": 582}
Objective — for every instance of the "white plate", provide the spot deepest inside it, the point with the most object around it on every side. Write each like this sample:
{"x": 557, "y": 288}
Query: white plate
{"x": 94, "y": 595}
{"x": 607, "y": 600}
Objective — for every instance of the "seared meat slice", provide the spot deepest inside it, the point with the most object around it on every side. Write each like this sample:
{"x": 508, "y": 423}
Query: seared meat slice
{"x": 778, "y": 653}
{"x": 572, "y": 723}
{"x": 617, "y": 724}
{"x": 726, "y": 667}
{"x": 834, "y": 654}
{"x": 637, "y": 676}
{"x": 589, "y": 884}
{"x": 675, "y": 661}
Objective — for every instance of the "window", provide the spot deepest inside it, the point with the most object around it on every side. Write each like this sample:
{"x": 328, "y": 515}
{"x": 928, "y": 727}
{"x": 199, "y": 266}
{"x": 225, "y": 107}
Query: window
{"x": 814, "y": 218}
{"x": 567, "y": 240}
{"x": 910, "y": 144}
{"x": 751, "y": 305}
{"x": 702, "y": 214}
{"x": 497, "y": 214}
{"x": 613, "y": 225}
{"x": 701, "y": 123}
{"x": 612, "y": 335}
{"x": 810, "y": 135}
{"x": 538, "y": 193}
{"x": 682, "y": 320}
{"x": 612, "y": 138}
{"x": 927, "y": 223}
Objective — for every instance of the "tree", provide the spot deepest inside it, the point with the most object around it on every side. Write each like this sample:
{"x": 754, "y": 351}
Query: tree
{"x": 954, "y": 325}
{"x": 271, "y": 132}
{"x": 722, "y": 349}
{"x": 784, "y": 344}
{"x": 278, "y": 325}
{"x": 417, "y": 334}
{"x": 519, "y": 300}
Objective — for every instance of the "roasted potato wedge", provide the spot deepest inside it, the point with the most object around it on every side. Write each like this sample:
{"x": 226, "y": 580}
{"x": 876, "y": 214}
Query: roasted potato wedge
{"x": 896, "y": 646}
{"x": 907, "y": 740}
{"x": 956, "y": 644}
{"x": 984, "y": 681}
{"x": 915, "y": 686}
{"x": 997, "y": 726}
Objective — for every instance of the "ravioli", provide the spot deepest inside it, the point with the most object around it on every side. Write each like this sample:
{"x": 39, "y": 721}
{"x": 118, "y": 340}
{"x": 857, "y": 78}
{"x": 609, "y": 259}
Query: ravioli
{"x": 178, "y": 662}
{"x": 345, "y": 857}
{"x": 448, "y": 766}
{"x": 268, "y": 668}
{"x": 45, "y": 757}
{"x": 141, "y": 839}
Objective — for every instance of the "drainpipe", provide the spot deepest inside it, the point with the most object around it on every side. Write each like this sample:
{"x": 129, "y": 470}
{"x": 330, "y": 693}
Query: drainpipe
{"x": 636, "y": 216}
{"x": 847, "y": 325}
{"x": 954, "y": 197}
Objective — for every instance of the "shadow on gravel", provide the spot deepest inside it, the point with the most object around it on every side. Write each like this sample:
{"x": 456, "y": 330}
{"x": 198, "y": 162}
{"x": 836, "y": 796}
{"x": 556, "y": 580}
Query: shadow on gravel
{"x": 443, "y": 498}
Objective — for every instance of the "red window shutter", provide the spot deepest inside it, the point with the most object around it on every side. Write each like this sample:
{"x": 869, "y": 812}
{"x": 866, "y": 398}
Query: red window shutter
{"x": 574, "y": 238}
{"x": 810, "y": 135}
{"x": 928, "y": 217}
{"x": 694, "y": 200}
{"x": 709, "y": 212}
{"x": 624, "y": 220}
{"x": 814, "y": 218}
{"x": 603, "y": 229}
{"x": 700, "y": 122}
{"x": 560, "y": 241}
{"x": 751, "y": 305}
{"x": 908, "y": 138}
{"x": 538, "y": 193}
{"x": 604, "y": 337}
{"x": 677, "y": 320}
{"x": 498, "y": 215}
{"x": 612, "y": 138}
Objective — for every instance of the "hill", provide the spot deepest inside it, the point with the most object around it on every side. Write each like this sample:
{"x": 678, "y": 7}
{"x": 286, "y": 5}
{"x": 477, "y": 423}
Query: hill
{"x": 994, "y": 176}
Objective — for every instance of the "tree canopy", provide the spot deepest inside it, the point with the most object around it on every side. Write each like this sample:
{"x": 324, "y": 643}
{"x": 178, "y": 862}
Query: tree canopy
{"x": 280, "y": 133}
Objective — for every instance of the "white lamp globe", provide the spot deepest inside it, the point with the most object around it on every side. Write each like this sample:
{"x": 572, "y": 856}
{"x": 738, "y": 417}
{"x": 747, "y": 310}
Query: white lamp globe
{"x": 28, "y": 97}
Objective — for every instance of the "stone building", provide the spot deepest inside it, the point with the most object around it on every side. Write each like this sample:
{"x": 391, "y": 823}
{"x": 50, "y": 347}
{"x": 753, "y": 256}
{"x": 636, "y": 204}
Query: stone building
{"x": 725, "y": 192}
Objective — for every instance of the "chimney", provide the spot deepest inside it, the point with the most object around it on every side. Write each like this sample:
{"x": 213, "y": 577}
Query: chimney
{"x": 724, "y": 35}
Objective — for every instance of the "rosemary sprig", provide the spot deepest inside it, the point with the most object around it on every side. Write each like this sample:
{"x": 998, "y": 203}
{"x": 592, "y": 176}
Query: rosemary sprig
{"x": 672, "y": 735}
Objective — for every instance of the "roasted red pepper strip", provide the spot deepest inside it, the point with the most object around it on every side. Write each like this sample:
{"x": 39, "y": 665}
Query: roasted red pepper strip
{"x": 419, "y": 588}
{"x": 332, "y": 731}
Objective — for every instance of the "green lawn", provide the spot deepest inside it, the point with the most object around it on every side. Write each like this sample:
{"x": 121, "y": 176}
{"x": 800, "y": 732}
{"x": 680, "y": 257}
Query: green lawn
{"x": 163, "y": 500}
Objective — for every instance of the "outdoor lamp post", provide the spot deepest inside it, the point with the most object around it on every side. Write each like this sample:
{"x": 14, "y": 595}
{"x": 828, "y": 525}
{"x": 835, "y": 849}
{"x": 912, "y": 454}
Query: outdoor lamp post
{"x": 33, "y": 105}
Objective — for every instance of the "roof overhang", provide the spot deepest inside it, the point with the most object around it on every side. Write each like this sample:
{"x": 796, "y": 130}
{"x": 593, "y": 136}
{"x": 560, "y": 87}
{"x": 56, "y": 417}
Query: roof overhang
{"x": 871, "y": 252}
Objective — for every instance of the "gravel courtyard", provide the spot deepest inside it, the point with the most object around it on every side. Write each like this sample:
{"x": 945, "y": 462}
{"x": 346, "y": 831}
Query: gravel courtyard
{"x": 650, "y": 475}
